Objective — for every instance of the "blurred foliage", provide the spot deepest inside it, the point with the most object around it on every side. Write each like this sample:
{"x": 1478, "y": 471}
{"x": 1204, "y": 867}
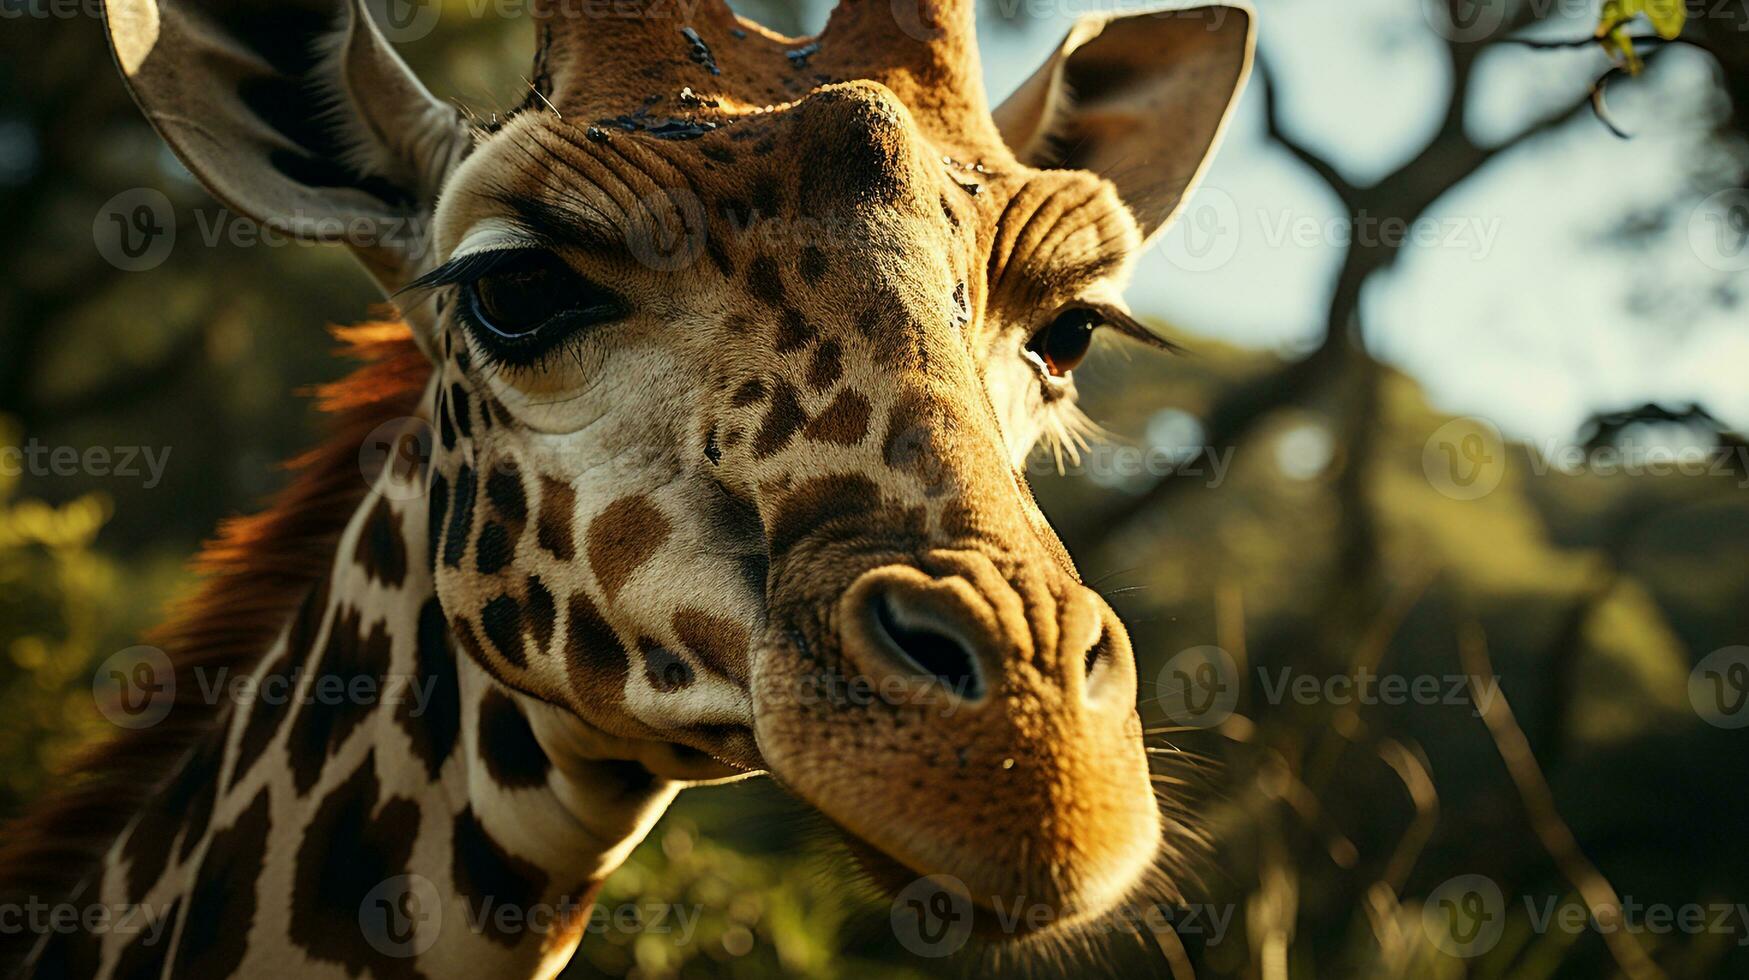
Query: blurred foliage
{"x": 1324, "y": 549}
{"x": 53, "y": 591}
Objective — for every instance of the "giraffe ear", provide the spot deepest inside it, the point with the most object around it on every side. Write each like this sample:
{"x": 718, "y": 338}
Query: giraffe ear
{"x": 1139, "y": 99}
{"x": 297, "y": 114}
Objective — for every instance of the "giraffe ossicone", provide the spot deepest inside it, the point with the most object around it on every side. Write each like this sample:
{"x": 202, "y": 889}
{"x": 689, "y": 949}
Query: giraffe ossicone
{"x": 727, "y": 350}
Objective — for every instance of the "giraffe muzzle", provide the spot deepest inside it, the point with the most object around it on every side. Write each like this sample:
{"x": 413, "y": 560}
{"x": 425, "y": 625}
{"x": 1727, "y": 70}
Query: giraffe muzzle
{"x": 998, "y": 698}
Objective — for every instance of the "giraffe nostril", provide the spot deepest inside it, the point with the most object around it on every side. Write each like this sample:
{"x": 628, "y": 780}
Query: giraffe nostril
{"x": 1099, "y": 652}
{"x": 930, "y": 650}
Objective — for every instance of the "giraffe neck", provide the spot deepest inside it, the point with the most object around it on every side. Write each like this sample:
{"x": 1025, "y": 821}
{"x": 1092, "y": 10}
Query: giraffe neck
{"x": 374, "y": 800}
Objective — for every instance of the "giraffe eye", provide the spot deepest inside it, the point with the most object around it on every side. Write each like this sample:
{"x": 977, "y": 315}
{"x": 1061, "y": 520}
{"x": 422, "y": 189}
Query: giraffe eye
{"x": 1062, "y": 343}
{"x": 528, "y": 300}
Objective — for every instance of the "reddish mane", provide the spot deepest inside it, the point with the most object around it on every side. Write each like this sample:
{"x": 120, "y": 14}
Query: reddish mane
{"x": 256, "y": 571}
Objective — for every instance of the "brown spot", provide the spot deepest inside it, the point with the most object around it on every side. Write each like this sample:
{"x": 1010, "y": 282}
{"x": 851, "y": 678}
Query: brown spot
{"x": 144, "y": 957}
{"x": 461, "y": 517}
{"x": 501, "y": 621}
{"x": 793, "y": 331}
{"x": 767, "y": 192}
{"x": 222, "y": 903}
{"x": 507, "y": 744}
{"x": 907, "y": 443}
{"x": 596, "y": 657}
{"x": 202, "y": 773}
{"x": 868, "y": 323}
{"x": 504, "y": 490}
{"x": 267, "y": 714}
{"x": 718, "y": 643}
{"x": 738, "y": 214}
{"x": 190, "y": 793}
{"x": 434, "y": 730}
{"x": 330, "y": 710}
{"x": 356, "y": 841}
{"x": 766, "y": 281}
{"x": 539, "y": 610}
{"x": 719, "y": 257}
{"x": 483, "y": 870}
{"x": 381, "y": 551}
{"x": 72, "y": 954}
{"x": 436, "y": 510}
{"x": 827, "y": 367}
{"x": 493, "y": 548}
{"x": 819, "y": 502}
{"x": 783, "y": 419}
{"x": 664, "y": 668}
{"x": 622, "y": 538}
{"x": 813, "y": 264}
{"x": 844, "y": 422}
{"x": 558, "y": 508}
{"x": 750, "y": 392}
{"x": 459, "y": 405}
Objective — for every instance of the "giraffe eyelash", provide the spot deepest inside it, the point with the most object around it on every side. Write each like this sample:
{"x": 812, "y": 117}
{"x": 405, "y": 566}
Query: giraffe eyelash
{"x": 521, "y": 305}
{"x": 1068, "y": 431}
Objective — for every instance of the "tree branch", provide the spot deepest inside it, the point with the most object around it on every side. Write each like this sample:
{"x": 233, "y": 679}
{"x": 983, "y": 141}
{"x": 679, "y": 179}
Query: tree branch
{"x": 1278, "y": 133}
{"x": 1539, "y": 804}
{"x": 1404, "y": 195}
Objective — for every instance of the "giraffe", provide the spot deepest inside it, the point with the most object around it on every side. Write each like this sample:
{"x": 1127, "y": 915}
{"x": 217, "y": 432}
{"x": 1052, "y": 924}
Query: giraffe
{"x": 716, "y": 362}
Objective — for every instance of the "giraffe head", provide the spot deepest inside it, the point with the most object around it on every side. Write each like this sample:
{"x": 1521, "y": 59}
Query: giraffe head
{"x": 740, "y": 342}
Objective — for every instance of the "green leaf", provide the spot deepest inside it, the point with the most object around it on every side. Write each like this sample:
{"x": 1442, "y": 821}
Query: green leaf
{"x": 1620, "y": 46}
{"x": 1665, "y": 16}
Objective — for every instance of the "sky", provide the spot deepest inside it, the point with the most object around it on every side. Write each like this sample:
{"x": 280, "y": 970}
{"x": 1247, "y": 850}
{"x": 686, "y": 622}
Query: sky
{"x": 1520, "y": 305}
